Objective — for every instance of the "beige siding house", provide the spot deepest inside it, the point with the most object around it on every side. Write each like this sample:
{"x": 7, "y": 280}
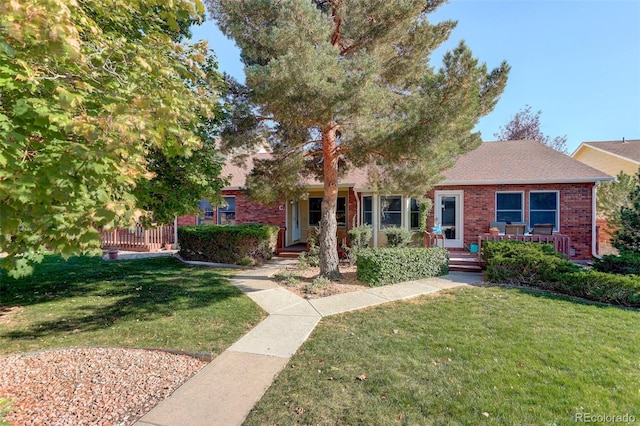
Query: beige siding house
{"x": 611, "y": 157}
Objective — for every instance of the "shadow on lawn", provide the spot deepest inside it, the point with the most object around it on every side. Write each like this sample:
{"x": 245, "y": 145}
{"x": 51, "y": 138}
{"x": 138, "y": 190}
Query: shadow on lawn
{"x": 140, "y": 290}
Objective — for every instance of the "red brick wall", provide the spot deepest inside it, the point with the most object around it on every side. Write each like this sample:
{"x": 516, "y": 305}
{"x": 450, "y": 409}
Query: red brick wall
{"x": 188, "y": 220}
{"x": 575, "y": 211}
{"x": 247, "y": 211}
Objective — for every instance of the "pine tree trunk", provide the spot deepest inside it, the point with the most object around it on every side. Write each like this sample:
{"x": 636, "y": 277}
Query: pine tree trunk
{"x": 328, "y": 243}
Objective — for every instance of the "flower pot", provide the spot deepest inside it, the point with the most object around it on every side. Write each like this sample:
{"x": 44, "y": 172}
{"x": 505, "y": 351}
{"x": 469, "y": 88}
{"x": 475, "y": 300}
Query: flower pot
{"x": 167, "y": 246}
{"x": 113, "y": 254}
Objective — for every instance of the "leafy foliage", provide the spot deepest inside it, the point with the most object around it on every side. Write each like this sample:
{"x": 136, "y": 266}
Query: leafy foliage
{"x": 525, "y": 125}
{"x": 397, "y": 237}
{"x": 93, "y": 93}
{"x": 228, "y": 244}
{"x": 612, "y": 196}
{"x": 386, "y": 265}
{"x": 348, "y": 84}
{"x": 627, "y": 236}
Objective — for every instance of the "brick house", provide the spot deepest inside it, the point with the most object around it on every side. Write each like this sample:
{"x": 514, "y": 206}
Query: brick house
{"x": 511, "y": 181}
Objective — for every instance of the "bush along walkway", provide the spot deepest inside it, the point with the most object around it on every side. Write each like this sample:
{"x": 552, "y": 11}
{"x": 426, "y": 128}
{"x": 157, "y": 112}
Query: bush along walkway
{"x": 225, "y": 391}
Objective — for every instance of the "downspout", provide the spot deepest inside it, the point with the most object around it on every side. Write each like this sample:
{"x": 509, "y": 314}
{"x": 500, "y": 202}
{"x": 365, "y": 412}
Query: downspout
{"x": 594, "y": 235}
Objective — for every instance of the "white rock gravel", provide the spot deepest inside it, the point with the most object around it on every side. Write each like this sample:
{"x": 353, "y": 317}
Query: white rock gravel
{"x": 90, "y": 386}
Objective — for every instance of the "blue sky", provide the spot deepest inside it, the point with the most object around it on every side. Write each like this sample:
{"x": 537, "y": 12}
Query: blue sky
{"x": 576, "y": 61}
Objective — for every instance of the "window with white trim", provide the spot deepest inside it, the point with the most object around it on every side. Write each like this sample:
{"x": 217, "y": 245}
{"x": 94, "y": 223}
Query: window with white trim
{"x": 367, "y": 210}
{"x": 390, "y": 211}
{"x": 227, "y": 214}
{"x": 509, "y": 206}
{"x": 207, "y": 215}
{"x": 543, "y": 208}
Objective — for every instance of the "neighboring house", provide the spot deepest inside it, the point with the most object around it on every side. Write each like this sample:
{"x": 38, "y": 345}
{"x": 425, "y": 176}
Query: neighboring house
{"x": 611, "y": 157}
{"x": 518, "y": 181}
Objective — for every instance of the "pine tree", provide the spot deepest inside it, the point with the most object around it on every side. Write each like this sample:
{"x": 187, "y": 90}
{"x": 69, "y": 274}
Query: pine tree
{"x": 349, "y": 84}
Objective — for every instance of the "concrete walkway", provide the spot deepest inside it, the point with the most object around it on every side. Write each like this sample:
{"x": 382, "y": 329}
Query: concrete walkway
{"x": 225, "y": 391}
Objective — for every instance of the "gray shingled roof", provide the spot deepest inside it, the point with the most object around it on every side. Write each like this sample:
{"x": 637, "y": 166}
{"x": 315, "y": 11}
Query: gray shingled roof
{"x": 519, "y": 162}
{"x": 492, "y": 163}
{"x": 629, "y": 149}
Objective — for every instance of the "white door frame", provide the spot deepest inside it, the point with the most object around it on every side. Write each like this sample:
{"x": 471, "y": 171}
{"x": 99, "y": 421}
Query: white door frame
{"x": 458, "y": 241}
{"x": 295, "y": 220}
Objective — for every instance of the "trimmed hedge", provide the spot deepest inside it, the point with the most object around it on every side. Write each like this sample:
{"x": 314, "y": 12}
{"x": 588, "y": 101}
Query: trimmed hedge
{"x": 390, "y": 265}
{"x": 239, "y": 244}
{"x": 531, "y": 264}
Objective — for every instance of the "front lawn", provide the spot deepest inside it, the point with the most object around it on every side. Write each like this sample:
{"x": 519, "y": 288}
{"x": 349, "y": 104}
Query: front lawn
{"x": 156, "y": 303}
{"x": 466, "y": 356}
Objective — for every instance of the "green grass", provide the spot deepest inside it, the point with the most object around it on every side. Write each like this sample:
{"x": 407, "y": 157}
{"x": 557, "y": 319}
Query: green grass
{"x": 157, "y": 303}
{"x": 468, "y": 356}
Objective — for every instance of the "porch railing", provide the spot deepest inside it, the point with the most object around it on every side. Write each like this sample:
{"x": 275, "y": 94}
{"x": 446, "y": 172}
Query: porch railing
{"x": 561, "y": 242}
{"x": 138, "y": 238}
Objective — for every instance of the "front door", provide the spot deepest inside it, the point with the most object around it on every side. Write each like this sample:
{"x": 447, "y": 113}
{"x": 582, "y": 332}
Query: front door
{"x": 295, "y": 220}
{"x": 449, "y": 215}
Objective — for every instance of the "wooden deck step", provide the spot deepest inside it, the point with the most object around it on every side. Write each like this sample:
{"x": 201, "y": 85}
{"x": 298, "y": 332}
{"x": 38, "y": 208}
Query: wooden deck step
{"x": 289, "y": 254}
{"x": 464, "y": 262}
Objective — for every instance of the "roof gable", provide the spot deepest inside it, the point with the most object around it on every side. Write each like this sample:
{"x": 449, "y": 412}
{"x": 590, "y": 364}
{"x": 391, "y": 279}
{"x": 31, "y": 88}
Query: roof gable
{"x": 626, "y": 149}
{"x": 517, "y": 162}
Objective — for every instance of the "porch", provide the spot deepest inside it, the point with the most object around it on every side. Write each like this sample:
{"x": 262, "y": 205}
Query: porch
{"x": 139, "y": 238}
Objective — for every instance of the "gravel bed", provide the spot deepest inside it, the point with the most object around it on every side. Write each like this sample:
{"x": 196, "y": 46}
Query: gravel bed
{"x": 90, "y": 386}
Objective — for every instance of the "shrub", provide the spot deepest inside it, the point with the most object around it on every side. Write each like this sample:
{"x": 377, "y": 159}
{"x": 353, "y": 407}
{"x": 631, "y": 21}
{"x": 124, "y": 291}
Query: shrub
{"x": 359, "y": 238}
{"x": 626, "y": 263}
{"x": 599, "y": 286}
{"x": 288, "y": 278}
{"x": 533, "y": 265}
{"x": 387, "y": 265}
{"x": 240, "y": 244}
{"x": 398, "y": 237}
{"x": 511, "y": 248}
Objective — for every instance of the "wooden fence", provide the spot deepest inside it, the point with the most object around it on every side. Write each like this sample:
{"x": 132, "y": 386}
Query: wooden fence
{"x": 138, "y": 238}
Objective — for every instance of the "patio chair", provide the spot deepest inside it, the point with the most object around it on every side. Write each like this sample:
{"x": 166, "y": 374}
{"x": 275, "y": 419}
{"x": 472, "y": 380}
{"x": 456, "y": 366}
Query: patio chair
{"x": 500, "y": 225}
{"x": 542, "y": 229}
{"x": 514, "y": 229}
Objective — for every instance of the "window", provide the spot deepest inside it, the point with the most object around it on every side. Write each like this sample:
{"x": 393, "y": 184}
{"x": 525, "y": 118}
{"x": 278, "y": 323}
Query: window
{"x": 315, "y": 211}
{"x": 543, "y": 208}
{"x": 207, "y": 215}
{"x": 367, "y": 210}
{"x": 227, "y": 214}
{"x": 415, "y": 215}
{"x": 390, "y": 211}
{"x": 509, "y": 207}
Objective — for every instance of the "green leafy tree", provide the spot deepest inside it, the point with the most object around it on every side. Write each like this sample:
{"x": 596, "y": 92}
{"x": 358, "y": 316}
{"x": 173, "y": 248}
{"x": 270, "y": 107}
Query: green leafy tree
{"x": 612, "y": 196}
{"x": 525, "y": 125}
{"x": 91, "y": 94}
{"x": 627, "y": 235}
{"x": 349, "y": 84}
